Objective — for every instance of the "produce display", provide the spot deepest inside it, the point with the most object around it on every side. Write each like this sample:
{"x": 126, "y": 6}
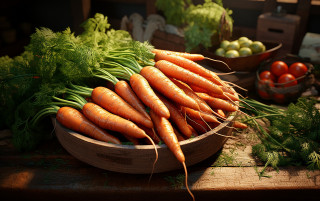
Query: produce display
{"x": 104, "y": 85}
{"x": 153, "y": 90}
{"x": 280, "y": 75}
{"x": 241, "y": 47}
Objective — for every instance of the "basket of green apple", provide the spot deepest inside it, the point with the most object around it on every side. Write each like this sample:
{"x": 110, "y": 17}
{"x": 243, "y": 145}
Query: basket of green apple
{"x": 243, "y": 54}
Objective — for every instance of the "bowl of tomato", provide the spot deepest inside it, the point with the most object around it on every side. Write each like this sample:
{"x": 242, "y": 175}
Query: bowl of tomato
{"x": 284, "y": 79}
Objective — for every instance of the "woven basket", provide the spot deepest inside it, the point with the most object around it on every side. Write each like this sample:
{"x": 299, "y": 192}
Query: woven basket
{"x": 279, "y": 93}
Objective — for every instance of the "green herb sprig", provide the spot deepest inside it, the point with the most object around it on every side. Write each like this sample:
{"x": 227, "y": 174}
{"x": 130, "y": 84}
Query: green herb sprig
{"x": 293, "y": 137}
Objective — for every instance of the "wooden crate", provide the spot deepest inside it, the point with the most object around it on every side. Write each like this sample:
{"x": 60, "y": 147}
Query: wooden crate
{"x": 283, "y": 29}
{"x": 163, "y": 40}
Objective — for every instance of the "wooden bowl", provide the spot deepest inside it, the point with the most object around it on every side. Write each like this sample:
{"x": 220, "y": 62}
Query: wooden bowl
{"x": 139, "y": 159}
{"x": 244, "y": 63}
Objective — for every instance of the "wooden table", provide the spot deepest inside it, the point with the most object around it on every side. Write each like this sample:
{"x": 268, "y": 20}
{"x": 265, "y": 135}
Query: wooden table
{"x": 50, "y": 173}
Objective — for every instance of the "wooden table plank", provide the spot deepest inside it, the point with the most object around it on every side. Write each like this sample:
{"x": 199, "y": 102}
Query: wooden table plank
{"x": 50, "y": 173}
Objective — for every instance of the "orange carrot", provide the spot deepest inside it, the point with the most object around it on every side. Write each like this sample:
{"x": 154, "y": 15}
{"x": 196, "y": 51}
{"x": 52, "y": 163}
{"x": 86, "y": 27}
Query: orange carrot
{"x": 194, "y": 114}
{"x": 178, "y": 134}
{"x": 198, "y": 125}
{"x": 238, "y": 124}
{"x": 123, "y": 89}
{"x": 194, "y": 132}
{"x": 109, "y": 121}
{"x": 76, "y": 121}
{"x": 113, "y": 103}
{"x": 228, "y": 89}
{"x": 177, "y": 118}
{"x": 165, "y": 86}
{"x": 203, "y": 106}
{"x": 225, "y": 95}
{"x": 191, "y": 56}
{"x": 197, "y": 88}
{"x": 146, "y": 94}
{"x": 220, "y": 112}
{"x": 166, "y": 132}
{"x": 218, "y": 103}
{"x": 152, "y": 133}
{"x": 175, "y": 71}
{"x": 190, "y": 65}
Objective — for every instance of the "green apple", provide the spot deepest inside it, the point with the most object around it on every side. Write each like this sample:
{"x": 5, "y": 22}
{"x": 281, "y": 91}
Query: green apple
{"x": 220, "y": 52}
{"x": 245, "y": 51}
{"x": 233, "y": 45}
{"x": 232, "y": 54}
{"x": 224, "y": 44}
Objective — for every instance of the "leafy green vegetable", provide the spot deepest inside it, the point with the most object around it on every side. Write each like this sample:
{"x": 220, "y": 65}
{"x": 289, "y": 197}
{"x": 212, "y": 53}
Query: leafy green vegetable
{"x": 209, "y": 19}
{"x": 293, "y": 137}
{"x": 174, "y": 10}
{"x": 200, "y": 22}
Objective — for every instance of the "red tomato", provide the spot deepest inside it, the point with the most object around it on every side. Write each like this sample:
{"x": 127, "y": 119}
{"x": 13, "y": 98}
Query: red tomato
{"x": 267, "y": 75}
{"x": 287, "y": 78}
{"x": 263, "y": 86}
{"x": 298, "y": 69}
{"x": 278, "y": 68}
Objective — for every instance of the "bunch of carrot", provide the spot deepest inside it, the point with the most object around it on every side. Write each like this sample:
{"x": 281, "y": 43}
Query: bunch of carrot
{"x": 174, "y": 100}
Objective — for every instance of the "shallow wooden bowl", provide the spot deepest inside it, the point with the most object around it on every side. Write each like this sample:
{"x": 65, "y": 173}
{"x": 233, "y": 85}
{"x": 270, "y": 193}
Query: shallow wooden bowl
{"x": 139, "y": 159}
{"x": 244, "y": 63}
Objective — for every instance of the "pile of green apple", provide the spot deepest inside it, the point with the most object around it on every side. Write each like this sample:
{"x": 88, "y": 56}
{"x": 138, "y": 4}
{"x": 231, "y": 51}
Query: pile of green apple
{"x": 243, "y": 46}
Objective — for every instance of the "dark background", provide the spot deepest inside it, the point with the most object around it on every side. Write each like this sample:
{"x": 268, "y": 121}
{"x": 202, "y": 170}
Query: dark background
{"x": 18, "y": 18}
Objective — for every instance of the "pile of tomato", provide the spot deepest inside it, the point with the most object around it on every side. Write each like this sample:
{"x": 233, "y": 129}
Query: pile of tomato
{"x": 281, "y": 75}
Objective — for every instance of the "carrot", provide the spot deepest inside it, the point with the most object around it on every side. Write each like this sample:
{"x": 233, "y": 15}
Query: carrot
{"x": 177, "y": 118}
{"x": 76, "y": 121}
{"x": 160, "y": 82}
{"x": 225, "y": 95}
{"x": 113, "y": 103}
{"x": 186, "y": 55}
{"x": 220, "y": 112}
{"x": 218, "y": 103}
{"x": 178, "y": 134}
{"x": 202, "y": 104}
{"x": 198, "y": 125}
{"x": 193, "y": 56}
{"x": 197, "y": 88}
{"x": 172, "y": 70}
{"x": 190, "y": 65}
{"x": 166, "y": 132}
{"x": 238, "y": 124}
{"x": 123, "y": 89}
{"x": 187, "y": 61}
{"x": 199, "y": 115}
{"x": 227, "y": 89}
{"x": 146, "y": 94}
{"x": 152, "y": 133}
{"x": 194, "y": 132}
{"x": 109, "y": 121}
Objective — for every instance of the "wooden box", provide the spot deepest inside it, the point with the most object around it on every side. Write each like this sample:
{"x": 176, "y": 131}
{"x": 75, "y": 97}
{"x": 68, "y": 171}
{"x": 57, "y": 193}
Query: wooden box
{"x": 167, "y": 41}
{"x": 282, "y": 29}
